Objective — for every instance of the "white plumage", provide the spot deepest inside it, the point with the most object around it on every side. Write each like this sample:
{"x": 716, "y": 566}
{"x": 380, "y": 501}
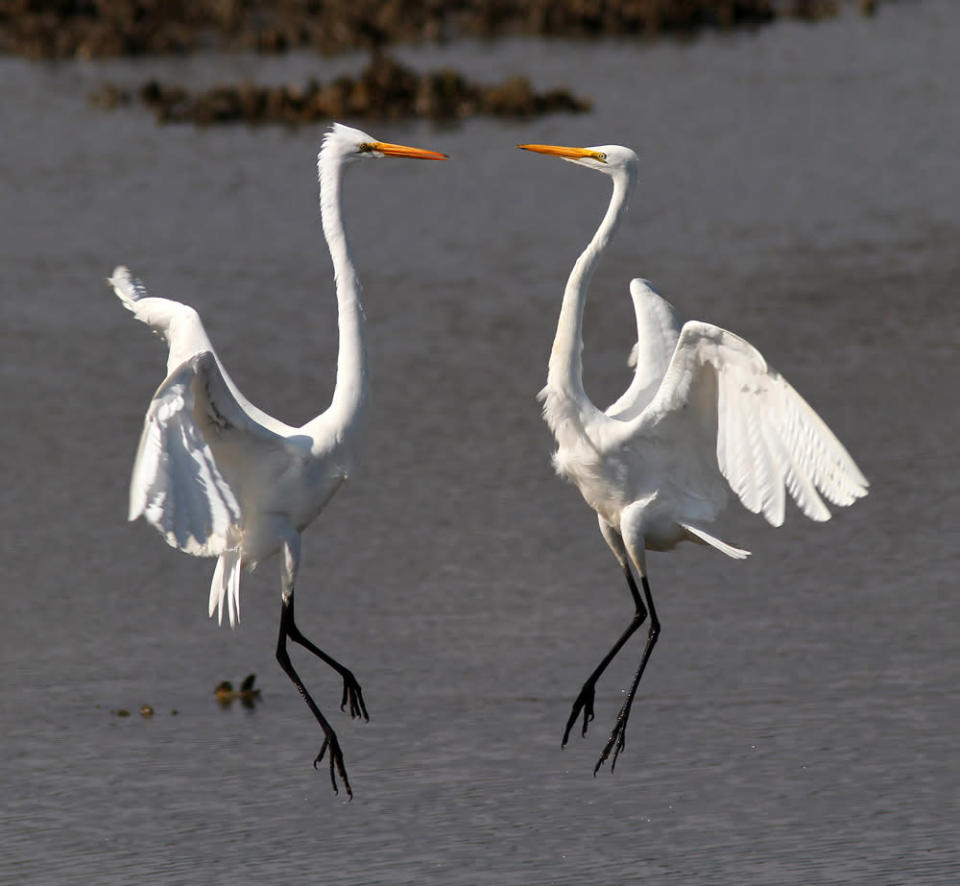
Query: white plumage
{"x": 218, "y": 477}
{"x": 703, "y": 415}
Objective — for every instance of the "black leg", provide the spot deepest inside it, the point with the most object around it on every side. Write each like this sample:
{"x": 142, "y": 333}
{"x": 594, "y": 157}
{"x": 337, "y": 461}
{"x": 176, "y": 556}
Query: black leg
{"x": 330, "y": 741}
{"x": 616, "y": 741}
{"x": 584, "y": 701}
{"x": 352, "y": 692}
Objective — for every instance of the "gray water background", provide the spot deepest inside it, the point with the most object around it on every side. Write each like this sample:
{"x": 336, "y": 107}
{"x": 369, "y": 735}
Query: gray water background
{"x": 798, "y": 721}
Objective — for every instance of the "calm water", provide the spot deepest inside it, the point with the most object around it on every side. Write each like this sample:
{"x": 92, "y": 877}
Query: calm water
{"x": 798, "y": 720}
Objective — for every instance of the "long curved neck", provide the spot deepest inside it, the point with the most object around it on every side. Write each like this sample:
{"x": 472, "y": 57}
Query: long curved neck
{"x": 565, "y": 374}
{"x": 350, "y": 393}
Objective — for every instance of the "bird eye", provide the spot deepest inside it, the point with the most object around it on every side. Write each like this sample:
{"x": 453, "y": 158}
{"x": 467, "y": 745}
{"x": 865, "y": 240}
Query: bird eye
{"x": 364, "y": 148}
{"x": 601, "y": 156}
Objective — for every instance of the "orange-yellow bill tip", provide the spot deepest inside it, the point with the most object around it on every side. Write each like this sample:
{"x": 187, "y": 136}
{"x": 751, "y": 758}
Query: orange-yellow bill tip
{"x": 566, "y": 153}
{"x": 390, "y": 150}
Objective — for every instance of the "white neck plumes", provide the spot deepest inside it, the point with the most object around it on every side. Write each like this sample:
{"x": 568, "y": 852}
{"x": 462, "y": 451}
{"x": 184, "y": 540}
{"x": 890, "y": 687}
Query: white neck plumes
{"x": 350, "y": 395}
{"x": 564, "y": 397}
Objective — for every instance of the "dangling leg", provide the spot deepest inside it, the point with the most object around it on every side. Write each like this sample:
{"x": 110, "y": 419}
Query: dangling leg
{"x": 352, "y": 693}
{"x": 288, "y": 628}
{"x": 584, "y": 701}
{"x": 633, "y": 540}
{"x": 329, "y": 736}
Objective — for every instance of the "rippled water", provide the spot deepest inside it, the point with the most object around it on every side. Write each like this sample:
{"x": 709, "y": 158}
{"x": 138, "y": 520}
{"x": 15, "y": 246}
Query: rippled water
{"x": 797, "y": 723}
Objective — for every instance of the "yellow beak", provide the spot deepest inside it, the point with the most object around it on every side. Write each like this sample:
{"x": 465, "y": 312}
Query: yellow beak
{"x": 390, "y": 150}
{"x": 566, "y": 153}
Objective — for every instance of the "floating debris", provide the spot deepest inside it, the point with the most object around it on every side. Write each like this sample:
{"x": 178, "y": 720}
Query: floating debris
{"x": 146, "y": 711}
{"x": 247, "y": 695}
{"x": 385, "y": 89}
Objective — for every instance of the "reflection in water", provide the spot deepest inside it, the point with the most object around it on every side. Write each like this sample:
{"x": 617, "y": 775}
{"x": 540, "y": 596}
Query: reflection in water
{"x": 247, "y": 694}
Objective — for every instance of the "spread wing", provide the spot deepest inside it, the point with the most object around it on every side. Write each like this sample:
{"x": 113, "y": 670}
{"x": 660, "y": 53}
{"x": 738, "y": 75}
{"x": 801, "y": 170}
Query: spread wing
{"x": 196, "y": 437}
{"x": 768, "y": 439}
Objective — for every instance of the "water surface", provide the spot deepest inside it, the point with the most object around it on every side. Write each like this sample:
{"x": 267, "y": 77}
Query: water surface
{"x": 797, "y": 722}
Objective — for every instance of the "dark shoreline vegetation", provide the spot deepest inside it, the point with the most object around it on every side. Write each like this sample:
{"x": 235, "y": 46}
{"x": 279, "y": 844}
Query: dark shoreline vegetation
{"x": 48, "y": 29}
{"x": 88, "y": 29}
{"x": 385, "y": 89}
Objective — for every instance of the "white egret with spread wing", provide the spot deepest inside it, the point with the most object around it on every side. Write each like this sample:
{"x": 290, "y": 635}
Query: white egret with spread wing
{"x": 218, "y": 477}
{"x": 704, "y": 414}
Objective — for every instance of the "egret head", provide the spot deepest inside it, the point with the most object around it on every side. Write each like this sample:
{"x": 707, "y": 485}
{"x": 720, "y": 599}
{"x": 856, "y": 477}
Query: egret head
{"x": 346, "y": 144}
{"x": 611, "y": 159}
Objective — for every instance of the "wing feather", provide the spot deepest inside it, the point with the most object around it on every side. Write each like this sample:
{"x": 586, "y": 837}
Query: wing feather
{"x": 658, "y": 329}
{"x": 768, "y": 437}
{"x": 178, "y": 485}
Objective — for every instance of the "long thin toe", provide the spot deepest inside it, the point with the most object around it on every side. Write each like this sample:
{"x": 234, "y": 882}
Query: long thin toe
{"x": 584, "y": 702}
{"x": 319, "y": 757}
{"x": 618, "y": 746}
{"x": 587, "y": 717}
{"x": 616, "y": 743}
{"x": 352, "y": 699}
{"x": 358, "y": 707}
{"x": 603, "y": 757}
{"x": 616, "y": 753}
{"x": 336, "y": 764}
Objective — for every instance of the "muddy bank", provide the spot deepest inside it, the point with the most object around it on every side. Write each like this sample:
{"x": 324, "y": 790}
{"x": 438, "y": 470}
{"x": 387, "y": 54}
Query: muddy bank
{"x": 103, "y": 28}
{"x": 385, "y": 89}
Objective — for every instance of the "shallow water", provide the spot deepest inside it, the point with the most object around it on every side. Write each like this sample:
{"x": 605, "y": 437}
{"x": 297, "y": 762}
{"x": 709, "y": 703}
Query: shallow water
{"x": 797, "y": 721}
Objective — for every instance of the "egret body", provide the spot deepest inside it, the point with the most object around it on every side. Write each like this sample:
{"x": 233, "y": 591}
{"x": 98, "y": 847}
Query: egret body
{"x": 218, "y": 477}
{"x": 703, "y": 415}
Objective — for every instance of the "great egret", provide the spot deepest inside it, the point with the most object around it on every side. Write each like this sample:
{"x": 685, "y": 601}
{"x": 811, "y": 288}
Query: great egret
{"x": 703, "y": 414}
{"x": 220, "y": 478}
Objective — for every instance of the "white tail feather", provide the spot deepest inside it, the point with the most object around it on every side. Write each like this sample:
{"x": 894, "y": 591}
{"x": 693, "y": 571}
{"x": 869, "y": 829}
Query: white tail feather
{"x": 225, "y": 587}
{"x": 729, "y": 550}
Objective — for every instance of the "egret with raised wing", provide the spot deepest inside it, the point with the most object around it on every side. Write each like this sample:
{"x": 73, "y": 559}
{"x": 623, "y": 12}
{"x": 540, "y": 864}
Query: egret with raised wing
{"x": 218, "y": 477}
{"x": 704, "y": 414}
